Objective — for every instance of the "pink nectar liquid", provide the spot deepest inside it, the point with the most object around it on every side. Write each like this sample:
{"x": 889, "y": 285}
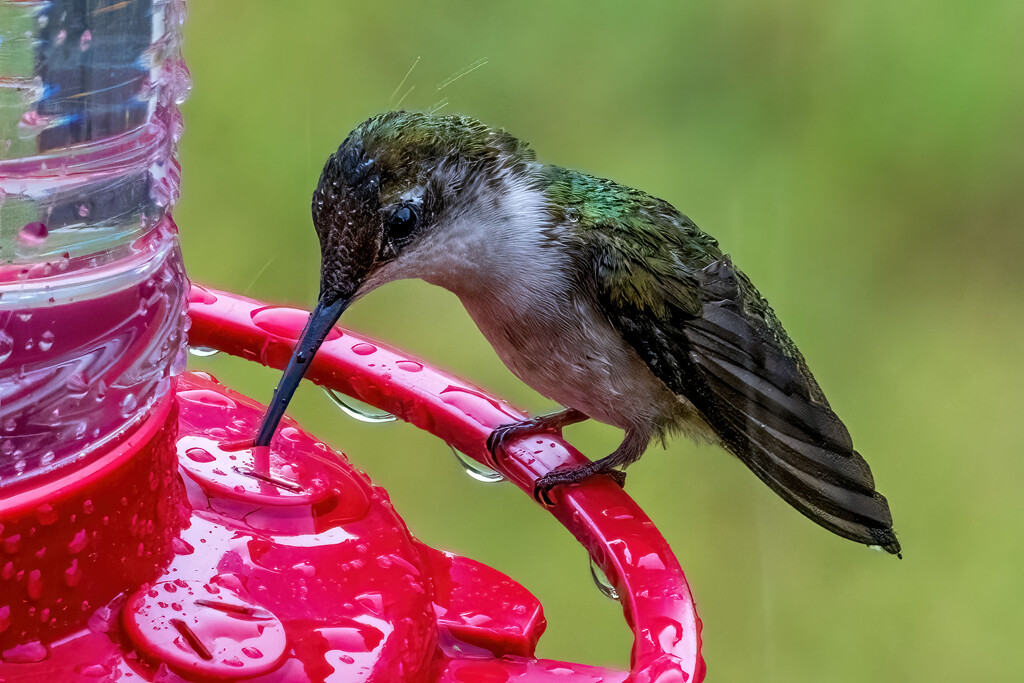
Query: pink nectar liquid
{"x": 92, "y": 288}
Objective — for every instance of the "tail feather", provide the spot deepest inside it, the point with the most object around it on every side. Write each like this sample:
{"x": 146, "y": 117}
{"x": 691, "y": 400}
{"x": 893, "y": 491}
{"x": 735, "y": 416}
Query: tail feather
{"x": 770, "y": 415}
{"x": 835, "y": 490}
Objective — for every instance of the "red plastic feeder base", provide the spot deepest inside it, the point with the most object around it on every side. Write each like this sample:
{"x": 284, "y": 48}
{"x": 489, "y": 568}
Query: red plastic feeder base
{"x": 289, "y": 565}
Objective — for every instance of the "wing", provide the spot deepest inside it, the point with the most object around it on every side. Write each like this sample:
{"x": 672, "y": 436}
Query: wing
{"x": 704, "y": 330}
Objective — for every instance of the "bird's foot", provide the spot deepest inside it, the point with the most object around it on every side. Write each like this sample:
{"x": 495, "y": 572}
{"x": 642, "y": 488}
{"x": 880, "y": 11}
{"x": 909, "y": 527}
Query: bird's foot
{"x": 496, "y": 440}
{"x": 542, "y": 423}
{"x": 571, "y": 475}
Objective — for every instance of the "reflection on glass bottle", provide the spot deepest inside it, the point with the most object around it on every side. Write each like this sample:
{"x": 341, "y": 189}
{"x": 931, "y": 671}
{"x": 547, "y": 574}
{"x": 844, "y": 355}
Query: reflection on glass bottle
{"x": 92, "y": 288}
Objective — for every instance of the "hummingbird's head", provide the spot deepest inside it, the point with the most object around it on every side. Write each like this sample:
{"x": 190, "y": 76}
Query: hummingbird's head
{"x": 399, "y": 199}
{"x": 398, "y": 182}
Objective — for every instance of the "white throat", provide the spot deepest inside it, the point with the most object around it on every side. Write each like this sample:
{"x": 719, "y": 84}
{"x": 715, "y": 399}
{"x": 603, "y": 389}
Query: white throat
{"x": 490, "y": 245}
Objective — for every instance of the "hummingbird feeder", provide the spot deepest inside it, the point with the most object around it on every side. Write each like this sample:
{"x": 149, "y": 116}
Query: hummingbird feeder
{"x": 142, "y": 536}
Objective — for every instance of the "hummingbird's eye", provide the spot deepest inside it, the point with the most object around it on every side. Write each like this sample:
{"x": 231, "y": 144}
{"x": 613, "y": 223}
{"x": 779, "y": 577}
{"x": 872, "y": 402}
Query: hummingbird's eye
{"x": 402, "y": 222}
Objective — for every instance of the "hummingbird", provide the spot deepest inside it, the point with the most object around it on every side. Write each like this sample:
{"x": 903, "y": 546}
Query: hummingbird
{"x": 606, "y": 300}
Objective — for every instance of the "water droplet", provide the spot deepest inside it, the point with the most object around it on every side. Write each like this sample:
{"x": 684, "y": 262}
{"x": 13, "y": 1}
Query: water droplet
{"x": 203, "y": 351}
{"x": 199, "y": 455}
{"x": 602, "y": 582}
{"x": 181, "y": 546}
{"x": 128, "y": 405}
{"x": 12, "y": 544}
{"x": 78, "y": 542}
{"x": 95, "y": 671}
{"x": 73, "y": 575}
{"x": 34, "y": 584}
{"x": 478, "y": 406}
{"x": 409, "y": 365}
{"x": 33, "y": 234}
{"x": 287, "y": 323}
{"x": 26, "y": 653}
{"x": 199, "y": 295}
{"x": 364, "y": 349}
{"x": 305, "y": 568}
{"x": 46, "y": 341}
{"x": 46, "y": 514}
{"x": 6, "y": 347}
{"x": 207, "y": 398}
{"x": 474, "y": 469}
{"x": 358, "y": 410}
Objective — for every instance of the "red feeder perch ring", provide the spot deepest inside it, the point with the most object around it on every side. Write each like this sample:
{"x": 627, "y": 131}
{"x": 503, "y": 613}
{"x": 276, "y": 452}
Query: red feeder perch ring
{"x": 183, "y": 555}
{"x": 620, "y": 538}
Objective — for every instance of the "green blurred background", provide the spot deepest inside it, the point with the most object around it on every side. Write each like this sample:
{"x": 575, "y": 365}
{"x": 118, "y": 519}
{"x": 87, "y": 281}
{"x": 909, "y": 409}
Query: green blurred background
{"x": 863, "y": 162}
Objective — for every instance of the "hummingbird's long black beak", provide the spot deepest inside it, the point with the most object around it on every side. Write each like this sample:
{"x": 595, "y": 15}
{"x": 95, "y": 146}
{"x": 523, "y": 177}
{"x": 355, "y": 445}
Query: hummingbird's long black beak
{"x": 321, "y": 320}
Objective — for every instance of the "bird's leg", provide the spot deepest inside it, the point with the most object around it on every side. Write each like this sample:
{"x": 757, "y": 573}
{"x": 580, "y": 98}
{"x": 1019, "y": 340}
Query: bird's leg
{"x": 631, "y": 448}
{"x": 533, "y": 425}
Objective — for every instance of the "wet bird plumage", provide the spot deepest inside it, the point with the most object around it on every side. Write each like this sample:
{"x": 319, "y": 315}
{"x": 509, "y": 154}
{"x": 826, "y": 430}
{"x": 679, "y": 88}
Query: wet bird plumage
{"x": 603, "y": 298}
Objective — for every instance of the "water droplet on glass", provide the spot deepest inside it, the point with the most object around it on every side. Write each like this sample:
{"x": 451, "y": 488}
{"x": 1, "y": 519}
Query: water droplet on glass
{"x": 474, "y": 469}
{"x": 358, "y": 410}
{"x": 46, "y": 341}
{"x": 128, "y": 405}
{"x": 33, "y": 233}
{"x": 6, "y": 346}
{"x": 602, "y": 582}
{"x": 203, "y": 351}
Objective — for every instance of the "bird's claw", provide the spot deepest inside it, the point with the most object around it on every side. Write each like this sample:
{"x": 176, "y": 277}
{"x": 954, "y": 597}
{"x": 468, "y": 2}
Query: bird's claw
{"x": 496, "y": 441}
{"x": 543, "y": 485}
